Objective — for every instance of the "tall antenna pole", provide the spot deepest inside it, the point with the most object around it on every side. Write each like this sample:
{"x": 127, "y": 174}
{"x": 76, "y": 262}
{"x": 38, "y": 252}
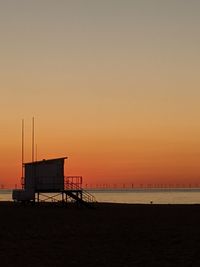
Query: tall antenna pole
{"x": 23, "y": 148}
{"x": 36, "y": 152}
{"x": 33, "y": 138}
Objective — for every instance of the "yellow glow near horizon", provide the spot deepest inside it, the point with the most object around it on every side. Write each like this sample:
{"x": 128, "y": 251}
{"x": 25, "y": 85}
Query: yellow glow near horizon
{"x": 114, "y": 85}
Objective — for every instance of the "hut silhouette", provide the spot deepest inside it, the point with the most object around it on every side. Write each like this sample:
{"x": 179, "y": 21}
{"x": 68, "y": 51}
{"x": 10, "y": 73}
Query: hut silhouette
{"x": 47, "y": 176}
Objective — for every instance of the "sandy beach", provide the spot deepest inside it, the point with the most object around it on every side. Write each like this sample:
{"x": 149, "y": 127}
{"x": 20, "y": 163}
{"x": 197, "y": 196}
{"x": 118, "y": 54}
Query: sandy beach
{"x": 110, "y": 235}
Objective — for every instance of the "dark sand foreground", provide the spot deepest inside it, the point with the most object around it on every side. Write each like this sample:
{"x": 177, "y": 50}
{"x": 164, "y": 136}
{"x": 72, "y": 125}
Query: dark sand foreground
{"x": 111, "y": 235}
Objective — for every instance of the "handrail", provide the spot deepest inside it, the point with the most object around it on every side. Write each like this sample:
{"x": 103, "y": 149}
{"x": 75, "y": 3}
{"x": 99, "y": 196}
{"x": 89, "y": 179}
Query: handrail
{"x": 85, "y": 195}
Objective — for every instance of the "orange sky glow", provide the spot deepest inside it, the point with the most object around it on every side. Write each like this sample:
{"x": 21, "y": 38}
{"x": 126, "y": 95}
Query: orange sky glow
{"x": 113, "y": 85}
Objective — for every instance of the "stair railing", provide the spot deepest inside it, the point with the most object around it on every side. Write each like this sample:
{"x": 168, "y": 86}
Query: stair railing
{"x": 86, "y": 196}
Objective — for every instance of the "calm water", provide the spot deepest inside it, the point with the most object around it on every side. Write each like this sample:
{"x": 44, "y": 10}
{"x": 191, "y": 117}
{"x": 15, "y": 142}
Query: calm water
{"x": 146, "y": 196}
{"x": 157, "y": 196}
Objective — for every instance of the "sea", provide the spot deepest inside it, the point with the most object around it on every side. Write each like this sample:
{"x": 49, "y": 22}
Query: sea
{"x": 137, "y": 196}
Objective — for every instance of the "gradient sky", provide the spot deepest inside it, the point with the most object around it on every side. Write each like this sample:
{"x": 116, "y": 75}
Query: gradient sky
{"x": 113, "y": 84}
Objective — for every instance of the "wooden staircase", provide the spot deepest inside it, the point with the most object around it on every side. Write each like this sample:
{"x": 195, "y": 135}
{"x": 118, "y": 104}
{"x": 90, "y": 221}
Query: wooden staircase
{"x": 74, "y": 190}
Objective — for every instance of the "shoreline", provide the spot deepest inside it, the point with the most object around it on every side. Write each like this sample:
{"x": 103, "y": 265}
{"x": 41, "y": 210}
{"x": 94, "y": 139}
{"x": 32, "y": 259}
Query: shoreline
{"x": 97, "y": 204}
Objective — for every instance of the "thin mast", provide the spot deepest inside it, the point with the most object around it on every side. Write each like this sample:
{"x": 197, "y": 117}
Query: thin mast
{"x": 36, "y": 152}
{"x": 33, "y": 138}
{"x": 23, "y": 148}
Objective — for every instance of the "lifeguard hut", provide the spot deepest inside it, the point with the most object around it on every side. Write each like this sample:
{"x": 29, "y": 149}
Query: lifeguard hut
{"x": 46, "y": 178}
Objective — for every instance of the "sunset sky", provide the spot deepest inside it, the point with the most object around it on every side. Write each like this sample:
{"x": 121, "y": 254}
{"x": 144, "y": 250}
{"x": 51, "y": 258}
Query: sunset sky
{"x": 112, "y": 84}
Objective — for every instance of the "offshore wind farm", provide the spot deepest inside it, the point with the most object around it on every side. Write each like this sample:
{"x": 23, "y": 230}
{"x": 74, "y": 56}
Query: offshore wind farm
{"x": 45, "y": 180}
{"x": 108, "y": 174}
